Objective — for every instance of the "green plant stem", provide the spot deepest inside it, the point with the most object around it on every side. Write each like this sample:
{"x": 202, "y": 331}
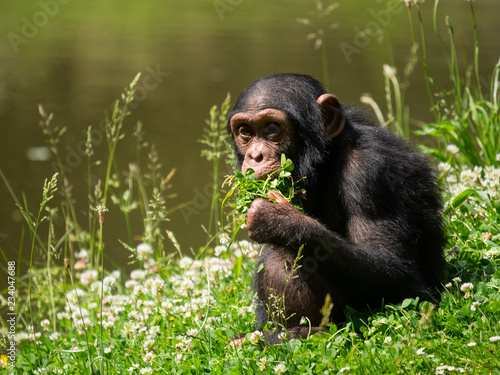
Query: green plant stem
{"x": 90, "y": 210}
{"x": 424, "y": 61}
{"x": 127, "y": 213}
{"x": 455, "y": 69}
{"x": 476, "y": 51}
{"x": 101, "y": 297}
{"x": 49, "y": 274}
{"x": 215, "y": 195}
{"x": 116, "y": 126}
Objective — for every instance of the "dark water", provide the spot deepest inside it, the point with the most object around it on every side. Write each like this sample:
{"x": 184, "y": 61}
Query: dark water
{"x": 76, "y": 57}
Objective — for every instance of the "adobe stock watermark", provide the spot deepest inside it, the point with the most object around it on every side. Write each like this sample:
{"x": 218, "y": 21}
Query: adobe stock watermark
{"x": 223, "y": 6}
{"x": 75, "y": 155}
{"x": 31, "y": 26}
{"x": 373, "y": 29}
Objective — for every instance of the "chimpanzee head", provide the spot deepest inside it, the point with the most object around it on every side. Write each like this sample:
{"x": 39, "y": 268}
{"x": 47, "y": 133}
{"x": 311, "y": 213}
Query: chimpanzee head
{"x": 284, "y": 113}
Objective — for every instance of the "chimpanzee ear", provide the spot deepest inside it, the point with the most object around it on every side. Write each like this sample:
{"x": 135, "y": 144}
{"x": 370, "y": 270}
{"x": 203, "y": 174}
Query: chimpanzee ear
{"x": 333, "y": 117}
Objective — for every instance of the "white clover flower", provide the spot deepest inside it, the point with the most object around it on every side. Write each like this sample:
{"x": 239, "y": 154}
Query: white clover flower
{"x": 179, "y": 346}
{"x": 474, "y": 306}
{"x": 255, "y": 336}
{"x": 457, "y": 279}
{"x": 144, "y": 251}
{"x": 452, "y": 149}
{"x": 192, "y": 332}
{"x": 82, "y": 254}
{"x": 467, "y": 287}
{"x": 185, "y": 262}
{"x": 220, "y": 249}
{"x": 45, "y": 324}
{"x": 109, "y": 281}
{"x": 108, "y": 324}
{"x": 134, "y": 367}
{"x": 280, "y": 369}
{"x": 388, "y": 340}
{"x": 421, "y": 351}
{"x": 89, "y": 276}
{"x": 224, "y": 238}
{"x": 130, "y": 284}
{"x": 343, "y": 369}
{"x": 107, "y": 349}
{"x": 492, "y": 175}
{"x": 92, "y": 305}
{"x": 495, "y": 338}
{"x": 154, "y": 330}
{"x": 442, "y": 369}
{"x": 167, "y": 305}
{"x": 262, "y": 363}
{"x": 444, "y": 167}
{"x": 148, "y": 344}
{"x": 146, "y": 371}
{"x": 22, "y": 336}
{"x": 149, "y": 357}
{"x": 452, "y": 179}
{"x": 282, "y": 336}
{"x": 471, "y": 176}
{"x": 179, "y": 357}
{"x": 498, "y": 157}
{"x": 138, "y": 274}
{"x": 80, "y": 265}
{"x": 63, "y": 315}
{"x": 79, "y": 312}
{"x": 448, "y": 285}
{"x": 54, "y": 336}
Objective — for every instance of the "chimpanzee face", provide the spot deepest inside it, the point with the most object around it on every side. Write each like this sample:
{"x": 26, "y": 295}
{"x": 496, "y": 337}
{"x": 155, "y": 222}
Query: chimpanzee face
{"x": 261, "y": 136}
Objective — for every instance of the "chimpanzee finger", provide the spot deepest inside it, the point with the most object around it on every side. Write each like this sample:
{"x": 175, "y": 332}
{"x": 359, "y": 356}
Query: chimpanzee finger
{"x": 271, "y": 194}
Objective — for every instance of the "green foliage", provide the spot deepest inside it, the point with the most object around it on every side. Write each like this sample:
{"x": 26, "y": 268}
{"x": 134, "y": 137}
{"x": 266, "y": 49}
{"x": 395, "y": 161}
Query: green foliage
{"x": 476, "y": 132}
{"x": 464, "y": 118}
{"x": 219, "y": 147}
{"x": 245, "y": 188}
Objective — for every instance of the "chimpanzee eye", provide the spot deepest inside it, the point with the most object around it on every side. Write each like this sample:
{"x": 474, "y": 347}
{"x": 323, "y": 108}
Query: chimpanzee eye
{"x": 273, "y": 129}
{"x": 244, "y": 131}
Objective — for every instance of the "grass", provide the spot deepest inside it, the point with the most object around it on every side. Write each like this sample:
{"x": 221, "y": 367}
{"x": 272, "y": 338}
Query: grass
{"x": 177, "y": 314}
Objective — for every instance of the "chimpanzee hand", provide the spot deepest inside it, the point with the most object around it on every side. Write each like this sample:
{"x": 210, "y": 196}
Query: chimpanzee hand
{"x": 269, "y": 222}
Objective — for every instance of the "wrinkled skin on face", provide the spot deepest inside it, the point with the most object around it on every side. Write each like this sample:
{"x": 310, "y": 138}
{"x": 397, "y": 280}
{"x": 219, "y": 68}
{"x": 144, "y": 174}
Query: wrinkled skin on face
{"x": 260, "y": 135}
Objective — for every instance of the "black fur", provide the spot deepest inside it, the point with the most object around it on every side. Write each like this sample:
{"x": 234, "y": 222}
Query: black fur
{"x": 371, "y": 226}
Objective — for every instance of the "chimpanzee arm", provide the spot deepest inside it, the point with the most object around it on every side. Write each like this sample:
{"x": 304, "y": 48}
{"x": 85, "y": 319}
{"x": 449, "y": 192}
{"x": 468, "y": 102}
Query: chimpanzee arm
{"x": 373, "y": 258}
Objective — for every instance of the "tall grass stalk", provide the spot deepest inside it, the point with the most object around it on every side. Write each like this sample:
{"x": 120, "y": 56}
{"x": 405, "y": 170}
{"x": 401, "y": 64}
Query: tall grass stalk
{"x": 89, "y": 151}
{"x": 217, "y": 140}
{"x": 50, "y": 239}
{"x": 423, "y": 60}
{"x": 318, "y": 22}
{"x": 49, "y": 188}
{"x": 54, "y": 134}
{"x": 101, "y": 211}
{"x": 113, "y": 128}
{"x": 476, "y": 51}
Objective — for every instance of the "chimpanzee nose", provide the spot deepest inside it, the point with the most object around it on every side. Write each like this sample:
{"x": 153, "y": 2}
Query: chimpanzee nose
{"x": 256, "y": 154}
